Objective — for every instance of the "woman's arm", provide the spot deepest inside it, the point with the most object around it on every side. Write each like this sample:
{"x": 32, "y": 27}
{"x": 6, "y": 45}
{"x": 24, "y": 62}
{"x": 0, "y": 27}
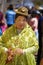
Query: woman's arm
{"x": 32, "y": 41}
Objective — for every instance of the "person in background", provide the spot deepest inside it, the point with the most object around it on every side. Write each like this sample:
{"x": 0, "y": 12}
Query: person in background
{"x": 3, "y": 25}
{"x": 34, "y": 22}
{"x": 32, "y": 9}
{"x": 10, "y": 15}
{"x": 40, "y": 51}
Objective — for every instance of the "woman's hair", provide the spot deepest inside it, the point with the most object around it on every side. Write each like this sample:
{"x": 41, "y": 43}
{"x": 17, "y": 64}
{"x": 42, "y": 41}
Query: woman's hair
{"x": 20, "y": 15}
{"x": 1, "y": 16}
{"x": 10, "y": 7}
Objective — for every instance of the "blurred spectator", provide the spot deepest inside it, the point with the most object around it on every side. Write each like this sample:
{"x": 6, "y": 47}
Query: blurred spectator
{"x": 10, "y": 15}
{"x": 34, "y": 22}
{"x": 3, "y": 24}
{"x": 40, "y": 51}
{"x": 32, "y": 9}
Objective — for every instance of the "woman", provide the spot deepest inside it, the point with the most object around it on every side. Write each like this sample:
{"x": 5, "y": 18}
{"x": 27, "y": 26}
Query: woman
{"x": 3, "y": 24}
{"x": 19, "y": 43}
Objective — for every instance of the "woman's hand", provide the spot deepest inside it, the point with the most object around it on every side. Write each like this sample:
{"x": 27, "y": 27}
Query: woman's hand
{"x": 18, "y": 51}
{"x": 12, "y": 53}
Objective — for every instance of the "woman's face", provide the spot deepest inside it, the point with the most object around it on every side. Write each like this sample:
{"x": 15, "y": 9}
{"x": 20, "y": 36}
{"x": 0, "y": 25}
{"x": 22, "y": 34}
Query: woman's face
{"x": 20, "y": 22}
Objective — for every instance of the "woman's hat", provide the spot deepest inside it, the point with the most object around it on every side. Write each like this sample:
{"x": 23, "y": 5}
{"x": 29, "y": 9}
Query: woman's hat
{"x": 22, "y": 11}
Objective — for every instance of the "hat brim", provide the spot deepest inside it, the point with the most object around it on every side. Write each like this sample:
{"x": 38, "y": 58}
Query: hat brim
{"x": 25, "y": 14}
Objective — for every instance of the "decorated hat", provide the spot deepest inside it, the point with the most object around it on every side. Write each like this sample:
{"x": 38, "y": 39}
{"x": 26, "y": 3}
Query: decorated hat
{"x": 22, "y": 11}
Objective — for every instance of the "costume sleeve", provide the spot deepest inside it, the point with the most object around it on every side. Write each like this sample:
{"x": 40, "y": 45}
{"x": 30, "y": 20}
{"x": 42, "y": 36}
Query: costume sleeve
{"x": 31, "y": 49}
{"x": 32, "y": 41}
